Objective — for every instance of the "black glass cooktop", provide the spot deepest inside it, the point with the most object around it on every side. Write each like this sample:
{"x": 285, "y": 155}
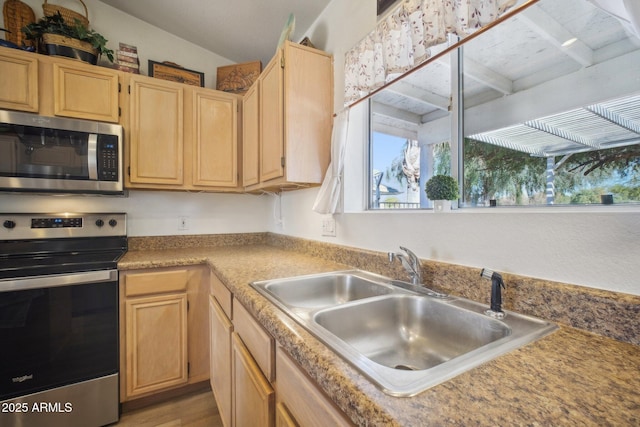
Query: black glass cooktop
{"x": 57, "y": 256}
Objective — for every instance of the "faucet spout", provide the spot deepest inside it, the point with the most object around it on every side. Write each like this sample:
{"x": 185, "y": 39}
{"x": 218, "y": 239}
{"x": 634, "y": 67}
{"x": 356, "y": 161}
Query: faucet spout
{"x": 411, "y": 264}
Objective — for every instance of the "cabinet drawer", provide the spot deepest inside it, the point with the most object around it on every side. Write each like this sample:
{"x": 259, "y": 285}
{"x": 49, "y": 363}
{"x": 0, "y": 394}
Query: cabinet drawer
{"x": 307, "y": 404}
{"x": 156, "y": 282}
{"x": 222, "y": 295}
{"x": 258, "y": 341}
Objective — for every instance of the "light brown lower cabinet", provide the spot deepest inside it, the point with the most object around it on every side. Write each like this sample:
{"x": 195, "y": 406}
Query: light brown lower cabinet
{"x": 303, "y": 401}
{"x": 156, "y": 343}
{"x": 266, "y": 387}
{"x": 253, "y": 395}
{"x": 163, "y": 330}
{"x": 284, "y": 417}
{"x": 220, "y": 358}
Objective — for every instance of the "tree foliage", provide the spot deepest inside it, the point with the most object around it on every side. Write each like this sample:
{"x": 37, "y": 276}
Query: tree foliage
{"x": 493, "y": 172}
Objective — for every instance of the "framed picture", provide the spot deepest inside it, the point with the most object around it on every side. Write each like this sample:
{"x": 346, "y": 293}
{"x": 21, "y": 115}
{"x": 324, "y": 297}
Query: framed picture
{"x": 383, "y": 5}
{"x": 238, "y": 78}
{"x": 175, "y": 73}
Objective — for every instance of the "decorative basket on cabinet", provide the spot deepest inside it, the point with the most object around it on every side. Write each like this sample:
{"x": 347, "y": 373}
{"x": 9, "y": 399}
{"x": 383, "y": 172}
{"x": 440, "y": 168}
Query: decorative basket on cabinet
{"x": 68, "y": 15}
{"x": 55, "y": 44}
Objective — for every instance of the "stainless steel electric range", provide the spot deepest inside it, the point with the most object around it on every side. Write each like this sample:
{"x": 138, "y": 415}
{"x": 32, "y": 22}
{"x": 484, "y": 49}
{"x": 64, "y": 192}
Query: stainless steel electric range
{"x": 59, "y": 318}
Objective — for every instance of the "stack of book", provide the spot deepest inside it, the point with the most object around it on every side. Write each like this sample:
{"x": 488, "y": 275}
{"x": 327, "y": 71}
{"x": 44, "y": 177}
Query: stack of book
{"x": 127, "y": 59}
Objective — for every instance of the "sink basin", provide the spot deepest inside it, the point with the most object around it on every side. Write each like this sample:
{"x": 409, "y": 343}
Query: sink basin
{"x": 410, "y": 332}
{"x": 324, "y": 290}
{"x": 404, "y": 338}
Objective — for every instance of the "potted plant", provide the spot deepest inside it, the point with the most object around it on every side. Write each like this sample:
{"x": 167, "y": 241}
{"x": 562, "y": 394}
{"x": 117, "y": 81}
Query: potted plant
{"x": 441, "y": 189}
{"x": 55, "y": 37}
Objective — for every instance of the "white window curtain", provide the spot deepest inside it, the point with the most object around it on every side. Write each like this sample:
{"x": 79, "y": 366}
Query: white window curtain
{"x": 328, "y": 199}
{"x": 402, "y": 40}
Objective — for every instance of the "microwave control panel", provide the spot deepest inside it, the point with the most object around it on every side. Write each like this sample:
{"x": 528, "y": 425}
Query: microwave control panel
{"x": 108, "y": 156}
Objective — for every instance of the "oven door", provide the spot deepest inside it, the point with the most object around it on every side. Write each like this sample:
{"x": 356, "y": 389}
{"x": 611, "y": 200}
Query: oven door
{"x": 57, "y": 330}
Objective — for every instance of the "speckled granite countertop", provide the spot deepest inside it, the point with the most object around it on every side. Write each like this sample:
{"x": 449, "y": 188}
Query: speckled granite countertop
{"x": 571, "y": 377}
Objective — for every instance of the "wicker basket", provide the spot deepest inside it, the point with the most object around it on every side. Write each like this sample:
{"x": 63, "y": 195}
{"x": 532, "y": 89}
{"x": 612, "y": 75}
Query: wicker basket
{"x": 55, "y": 44}
{"x": 68, "y": 15}
{"x": 16, "y": 15}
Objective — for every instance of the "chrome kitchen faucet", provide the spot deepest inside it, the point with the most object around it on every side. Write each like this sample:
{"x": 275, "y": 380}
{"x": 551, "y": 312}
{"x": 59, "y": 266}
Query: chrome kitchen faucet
{"x": 411, "y": 264}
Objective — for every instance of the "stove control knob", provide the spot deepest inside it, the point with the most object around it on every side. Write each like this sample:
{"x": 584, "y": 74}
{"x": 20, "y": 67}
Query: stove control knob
{"x": 9, "y": 224}
{"x": 99, "y": 222}
{"x": 113, "y": 222}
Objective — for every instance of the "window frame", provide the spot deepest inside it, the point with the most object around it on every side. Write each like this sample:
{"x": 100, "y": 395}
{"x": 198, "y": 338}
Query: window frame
{"x": 456, "y": 53}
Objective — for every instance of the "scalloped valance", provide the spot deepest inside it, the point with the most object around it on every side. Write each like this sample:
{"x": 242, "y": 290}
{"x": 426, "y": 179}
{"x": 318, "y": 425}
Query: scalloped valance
{"x": 402, "y": 40}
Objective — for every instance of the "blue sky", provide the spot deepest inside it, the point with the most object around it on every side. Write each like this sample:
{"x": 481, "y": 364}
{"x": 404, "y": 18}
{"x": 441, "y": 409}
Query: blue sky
{"x": 385, "y": 149}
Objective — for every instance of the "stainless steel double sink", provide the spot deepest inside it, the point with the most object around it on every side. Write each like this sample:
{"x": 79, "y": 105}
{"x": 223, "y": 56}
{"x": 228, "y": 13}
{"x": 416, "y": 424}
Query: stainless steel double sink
{"x": 402, "y": 337}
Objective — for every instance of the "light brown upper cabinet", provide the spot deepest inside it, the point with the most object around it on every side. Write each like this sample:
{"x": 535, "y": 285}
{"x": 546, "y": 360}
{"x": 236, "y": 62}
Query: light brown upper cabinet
{"x": 294, "y": 118}
{"x": 84, "y": 91}
{"x": 181, "y": 137}
{"x": 19, "y": 82}
{"x": 54, "y": 86}
{"x": 214, "y": 136}
{"x": 250, "y": 137}
{"x": 155, "y": 132}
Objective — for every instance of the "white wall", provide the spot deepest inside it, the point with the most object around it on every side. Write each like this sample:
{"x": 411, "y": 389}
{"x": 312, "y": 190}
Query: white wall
{"x": 152, "y": 42}
{"x": 157, "y": 213}
{"x": 597, "y": 248}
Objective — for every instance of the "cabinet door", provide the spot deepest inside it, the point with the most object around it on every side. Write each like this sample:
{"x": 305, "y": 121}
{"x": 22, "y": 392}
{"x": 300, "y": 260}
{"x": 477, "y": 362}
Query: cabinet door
{"x": 271, "y": 121}
{"x": 85, "y": 93}
{"x": 156, "y": 141}
{"x": 156, "y": 343}
{"x": 19, "y": 82}
{"x": 215, "y": 139}
{"x": 284, "y": 417}
{"x": 307, "y": 404}
{"x": 198, "y": 324}
{"x": 253, "y": 396}
{"x": 308, "y": 102}
{"x": 250, "y": 137}
{"x": 220, "y": 359}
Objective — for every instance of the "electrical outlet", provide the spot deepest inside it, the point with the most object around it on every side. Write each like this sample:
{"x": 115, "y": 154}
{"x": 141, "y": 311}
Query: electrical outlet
{"x": 183, "y": 223}
{"x": 329, "y": 227}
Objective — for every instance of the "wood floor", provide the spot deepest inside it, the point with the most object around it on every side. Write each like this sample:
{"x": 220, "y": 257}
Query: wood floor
{"x": 197, "y": 409}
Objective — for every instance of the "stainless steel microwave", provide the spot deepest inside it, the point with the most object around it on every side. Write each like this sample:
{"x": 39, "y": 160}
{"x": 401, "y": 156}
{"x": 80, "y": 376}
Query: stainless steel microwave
{"x": 53, "y": 154}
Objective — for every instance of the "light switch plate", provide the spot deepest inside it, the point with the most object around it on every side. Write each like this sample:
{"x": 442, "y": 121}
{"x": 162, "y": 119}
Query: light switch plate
{"x": 329, "y": 227}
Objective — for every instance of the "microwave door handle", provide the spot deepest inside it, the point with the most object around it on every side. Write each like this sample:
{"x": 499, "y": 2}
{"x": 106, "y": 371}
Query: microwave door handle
{"x": 92, "y": 156}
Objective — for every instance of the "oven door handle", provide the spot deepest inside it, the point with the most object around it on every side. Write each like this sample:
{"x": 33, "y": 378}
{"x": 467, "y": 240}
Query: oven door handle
{"x": 56, "y": 280}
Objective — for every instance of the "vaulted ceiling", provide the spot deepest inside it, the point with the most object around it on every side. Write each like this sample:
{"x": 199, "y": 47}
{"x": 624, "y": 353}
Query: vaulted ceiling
{"x": 239, "y": 30}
